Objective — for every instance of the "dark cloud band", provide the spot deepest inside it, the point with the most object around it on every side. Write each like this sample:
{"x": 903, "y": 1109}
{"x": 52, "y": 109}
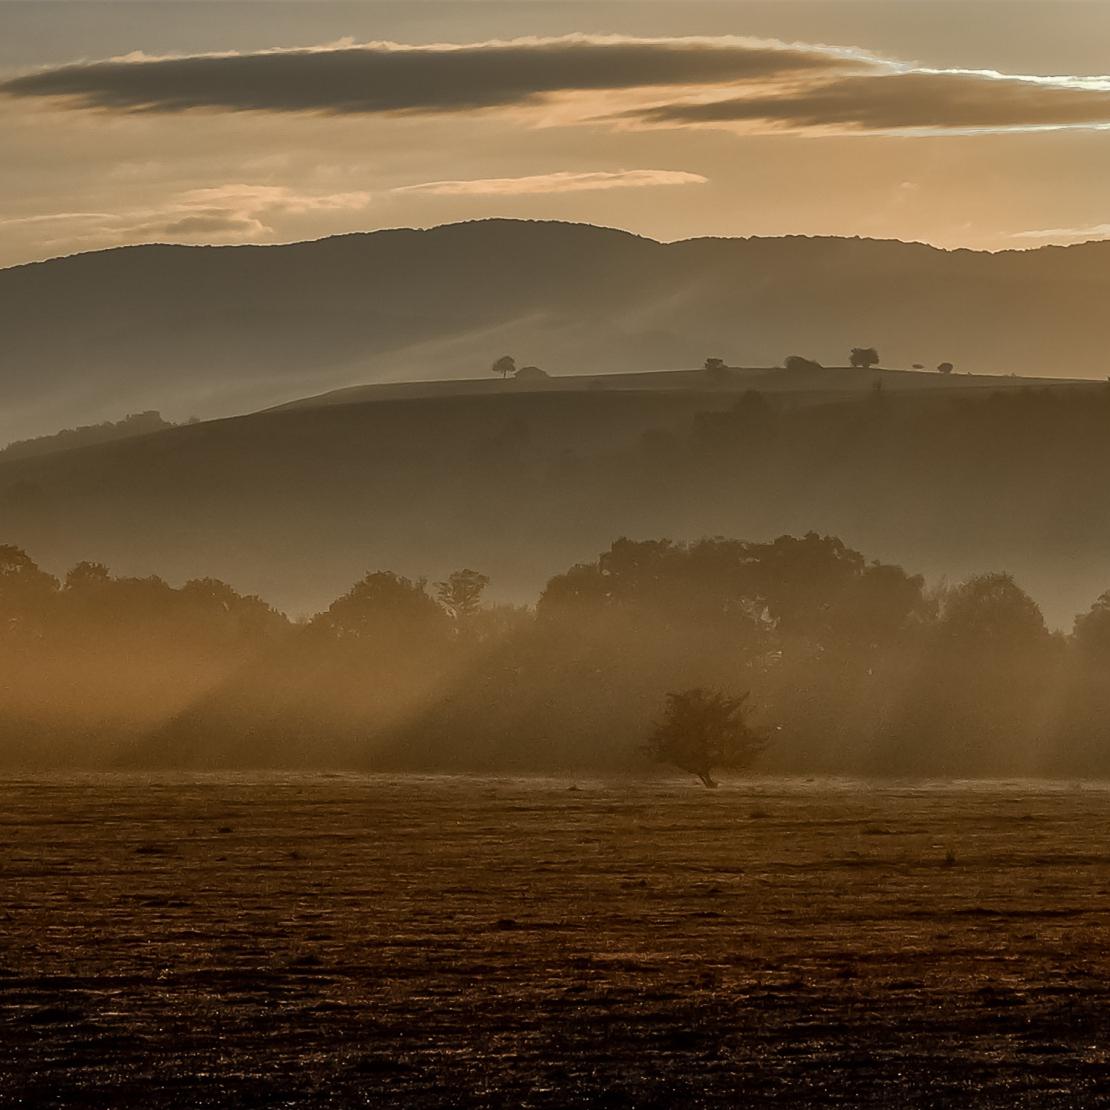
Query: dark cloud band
{"x": 722, "y": 82}
{"x": 385, "y": 78}
{"x": 914, "y": 101}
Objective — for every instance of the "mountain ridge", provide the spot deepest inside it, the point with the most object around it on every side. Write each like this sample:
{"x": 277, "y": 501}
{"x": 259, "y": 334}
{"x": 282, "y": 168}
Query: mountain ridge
{"x": 494, "y": 220}
{"x": 212, "y": 331}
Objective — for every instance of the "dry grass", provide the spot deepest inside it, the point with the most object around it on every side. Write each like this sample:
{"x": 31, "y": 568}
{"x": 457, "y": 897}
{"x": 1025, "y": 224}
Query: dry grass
{"x": 341, "y": 941}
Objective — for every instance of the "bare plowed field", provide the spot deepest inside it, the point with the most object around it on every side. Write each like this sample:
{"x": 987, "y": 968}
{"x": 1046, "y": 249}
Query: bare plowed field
{"x": 334, "y": 941}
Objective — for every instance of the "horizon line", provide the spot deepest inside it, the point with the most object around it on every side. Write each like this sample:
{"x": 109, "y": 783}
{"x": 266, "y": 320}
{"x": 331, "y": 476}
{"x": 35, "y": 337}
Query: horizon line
{"x": 427, "y": 229}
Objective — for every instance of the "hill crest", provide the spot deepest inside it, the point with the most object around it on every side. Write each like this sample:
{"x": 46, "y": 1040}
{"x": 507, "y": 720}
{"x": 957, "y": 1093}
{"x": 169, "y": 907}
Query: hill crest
{"x": 211, "y": 331}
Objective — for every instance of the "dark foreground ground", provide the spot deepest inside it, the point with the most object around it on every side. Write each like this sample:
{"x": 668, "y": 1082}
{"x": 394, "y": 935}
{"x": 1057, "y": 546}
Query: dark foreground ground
{"x": 342, "y": 941}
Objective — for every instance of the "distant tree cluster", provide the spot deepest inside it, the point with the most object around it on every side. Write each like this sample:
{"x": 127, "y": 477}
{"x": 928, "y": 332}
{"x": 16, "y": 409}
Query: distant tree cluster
{"x": 853, "y": 666}
{"x": 718, "y": 370}
{"x": 862, "y": 358}
{"x": 135, "y": 424}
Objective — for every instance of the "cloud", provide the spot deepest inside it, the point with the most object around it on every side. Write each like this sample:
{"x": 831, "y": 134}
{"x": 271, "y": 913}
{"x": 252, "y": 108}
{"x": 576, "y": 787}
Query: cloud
{"x": 1092, "y": 231}
{"x": 258, "y": 198}
{"x": 555, "y": 183}
{"x": 174, "y": 222}
{"x": 53, "y": 217}
{"x": 211, "y": 223}
{"x": 227, "y": 213}
{"x": 723, "y": 82}
{"x": 917, "y": 100}
{"x": 386, "y": 77}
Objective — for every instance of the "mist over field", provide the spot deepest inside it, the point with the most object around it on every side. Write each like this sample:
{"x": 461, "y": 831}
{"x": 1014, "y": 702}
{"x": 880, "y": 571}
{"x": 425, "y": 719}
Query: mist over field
{"x": 877, "y": 559}
{"x": 848, "y": 666}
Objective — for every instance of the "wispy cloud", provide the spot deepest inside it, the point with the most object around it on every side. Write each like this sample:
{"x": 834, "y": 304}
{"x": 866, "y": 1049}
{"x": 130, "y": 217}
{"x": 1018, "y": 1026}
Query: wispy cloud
{"x": 722, "y": 82}
{"x": 1092, "y": 231}
{"x": 555, "y": 183}
{"x": 273, "y": 198}
{"x": 53, "y": 217}
{"x": 227, "y": 213}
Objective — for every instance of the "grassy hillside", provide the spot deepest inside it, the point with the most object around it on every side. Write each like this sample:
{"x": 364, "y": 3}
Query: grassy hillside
{"x": 800, "y": 387}
{"x": 210, "y": 331}
{"x": 295, "y": 504}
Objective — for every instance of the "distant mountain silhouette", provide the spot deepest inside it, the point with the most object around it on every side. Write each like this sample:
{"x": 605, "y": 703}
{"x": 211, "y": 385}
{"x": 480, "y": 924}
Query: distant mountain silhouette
{"x": 210, "y": 331}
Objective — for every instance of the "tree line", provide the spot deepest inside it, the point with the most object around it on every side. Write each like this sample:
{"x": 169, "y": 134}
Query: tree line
{"x": 87, "y": 435}
{"x": 838, "y": 663}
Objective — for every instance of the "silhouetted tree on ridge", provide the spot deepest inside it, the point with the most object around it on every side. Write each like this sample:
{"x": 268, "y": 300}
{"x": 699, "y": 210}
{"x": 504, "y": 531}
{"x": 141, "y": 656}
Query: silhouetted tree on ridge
{"x": 504, "y": 366}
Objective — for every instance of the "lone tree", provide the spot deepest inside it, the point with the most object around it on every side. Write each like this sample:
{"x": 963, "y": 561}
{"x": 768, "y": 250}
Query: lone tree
{"x": 504, "y": 366}
{"x": 945, "y": 368}
{"x": 702, "y": 729}
{"x": 864, "y": 357}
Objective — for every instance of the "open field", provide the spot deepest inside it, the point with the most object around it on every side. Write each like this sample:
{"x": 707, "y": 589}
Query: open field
{"x": 368, "y": 941}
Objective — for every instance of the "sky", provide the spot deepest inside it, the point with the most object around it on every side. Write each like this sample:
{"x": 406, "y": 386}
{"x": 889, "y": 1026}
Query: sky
{"x": 977, "y": 123}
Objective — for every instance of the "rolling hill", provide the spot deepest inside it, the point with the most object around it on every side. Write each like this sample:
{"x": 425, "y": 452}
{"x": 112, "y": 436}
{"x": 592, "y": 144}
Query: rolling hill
{"x": 949, "y": 476}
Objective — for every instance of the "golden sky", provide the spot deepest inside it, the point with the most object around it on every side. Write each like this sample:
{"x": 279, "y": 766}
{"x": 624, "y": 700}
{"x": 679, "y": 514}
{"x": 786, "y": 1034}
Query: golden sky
{"x": 982, "y": 124}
